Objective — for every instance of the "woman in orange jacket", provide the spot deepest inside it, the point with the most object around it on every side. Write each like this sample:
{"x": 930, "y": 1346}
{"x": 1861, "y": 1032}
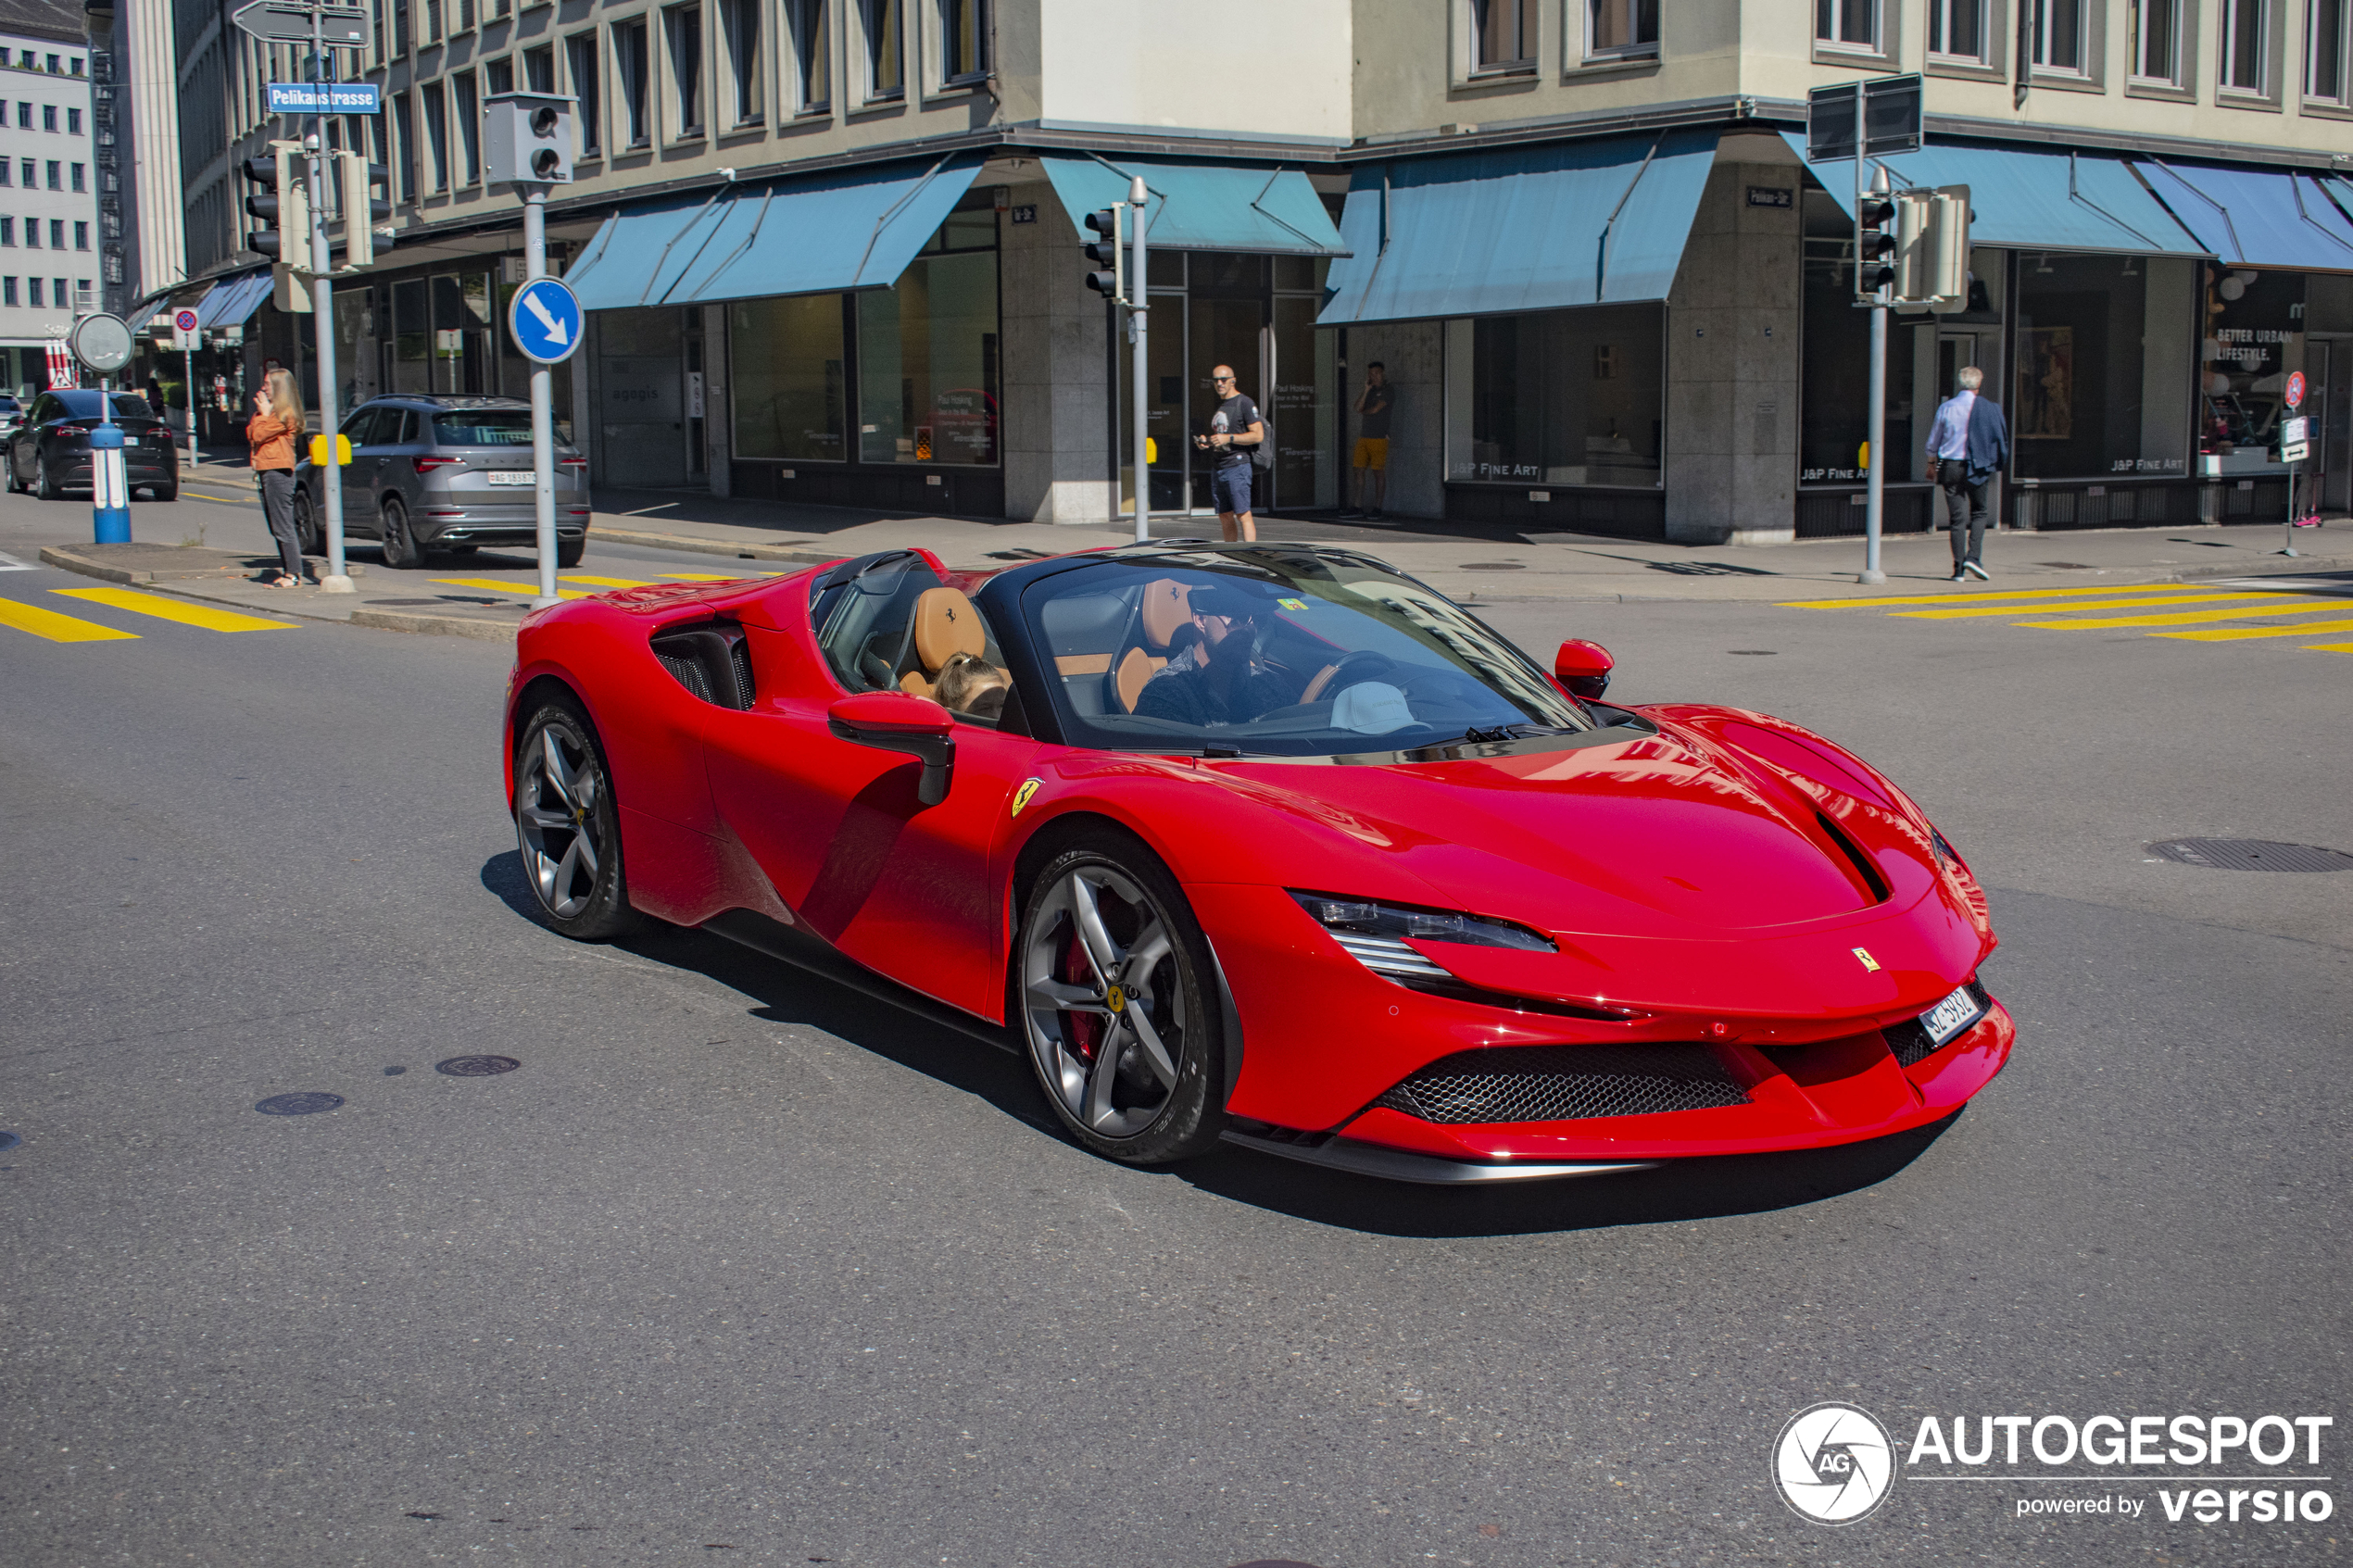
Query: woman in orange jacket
{"x": 276, "y": 425}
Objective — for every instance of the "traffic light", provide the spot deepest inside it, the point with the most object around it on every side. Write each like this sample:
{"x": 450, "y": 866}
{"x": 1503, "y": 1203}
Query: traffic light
{"x": 1944, "y": 249}
{"x": 1105, "y": 252}
{"x": 1875, "y": 243}
{"x": 362, "y": 208}
{"x": 283, "y": 203}
{"x": 526, "y": 139}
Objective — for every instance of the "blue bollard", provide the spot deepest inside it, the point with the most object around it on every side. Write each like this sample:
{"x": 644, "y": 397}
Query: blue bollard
{"x": 109, "y": 495}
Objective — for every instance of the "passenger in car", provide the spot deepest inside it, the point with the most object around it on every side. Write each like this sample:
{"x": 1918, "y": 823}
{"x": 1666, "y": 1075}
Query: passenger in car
{"x": 964, "y": 681}
{"x": 1224, "y": 677}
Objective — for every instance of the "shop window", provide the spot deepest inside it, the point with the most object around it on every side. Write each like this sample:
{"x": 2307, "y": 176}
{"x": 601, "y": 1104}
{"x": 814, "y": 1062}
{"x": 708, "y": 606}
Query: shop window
{"x": 1560, "y": 397}
{"x": 2155, "y": 45}
{"x": 964, "y": 42}
{"x": 682, "y": 26}
{"x": 2326, "y": 50}
{"x": 2059, "y": 35}
{"x": 791, "y": 391}
{"x": 587, "y": 121}
{"x": 885, "y": 52}
{"x": 1502, "y": 35}
{"x": 2098, "y": 347}
{"x": 2245, "y": 26}
{"x": 1834, "y": 403}
{"x": 2255, "y": 338}
{"x": 1847, "y": 24}
{"x": 1621, "y": 29}
{"x": 811, "y": 54}
{"x": 741, "y": 20}
{"x": 629, "y": 65}
{"x": 1957, "y": 29}
{"x": 927, "y": 360}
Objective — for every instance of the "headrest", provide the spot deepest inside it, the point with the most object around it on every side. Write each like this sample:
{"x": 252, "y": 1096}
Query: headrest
{"x": 946, "y": 624}
{"x": 1164, "y": 611}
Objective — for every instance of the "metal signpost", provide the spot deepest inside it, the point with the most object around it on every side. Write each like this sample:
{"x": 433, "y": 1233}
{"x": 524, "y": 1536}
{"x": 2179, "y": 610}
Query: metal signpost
{"x": 526, "y": 142}
{"x": 103, "y": 344}
{"x": 1139, "y": 334}
{"x": 183, "y": 322}
{"x": 2294, "y": 449}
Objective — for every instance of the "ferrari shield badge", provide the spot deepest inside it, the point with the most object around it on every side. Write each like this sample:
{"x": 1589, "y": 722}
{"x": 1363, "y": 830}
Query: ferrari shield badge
{"x": 1862, "y": 955}
{"x": 1021, "y": 796}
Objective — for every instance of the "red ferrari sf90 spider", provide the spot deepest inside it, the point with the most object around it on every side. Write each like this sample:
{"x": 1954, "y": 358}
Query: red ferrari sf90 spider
{"x": 1267, "y": 843}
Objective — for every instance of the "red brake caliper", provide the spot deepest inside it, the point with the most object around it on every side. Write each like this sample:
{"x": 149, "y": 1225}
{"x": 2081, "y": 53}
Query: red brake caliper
{"x": 1086, "y": 1028}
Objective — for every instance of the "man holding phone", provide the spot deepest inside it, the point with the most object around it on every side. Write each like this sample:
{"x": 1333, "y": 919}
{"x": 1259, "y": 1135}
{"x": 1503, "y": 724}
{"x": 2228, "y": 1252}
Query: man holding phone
{"x": 1235, "y": 429}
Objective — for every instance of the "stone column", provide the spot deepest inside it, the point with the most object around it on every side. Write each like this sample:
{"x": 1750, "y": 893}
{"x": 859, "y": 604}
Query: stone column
{"x": 1055, "y": 421}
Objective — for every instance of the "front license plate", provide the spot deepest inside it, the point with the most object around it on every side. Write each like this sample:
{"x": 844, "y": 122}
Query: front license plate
{"x": 1951, "y": 1016}
{"x": 505, "y": 477}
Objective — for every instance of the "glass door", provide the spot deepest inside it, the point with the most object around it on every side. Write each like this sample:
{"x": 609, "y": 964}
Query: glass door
{"x": 1223, "y": 332}
{"x": 2328, "y": 404}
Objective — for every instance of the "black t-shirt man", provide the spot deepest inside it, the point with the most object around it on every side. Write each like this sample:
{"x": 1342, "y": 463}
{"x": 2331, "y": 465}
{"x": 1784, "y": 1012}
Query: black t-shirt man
{"x": 1234, "y": 417}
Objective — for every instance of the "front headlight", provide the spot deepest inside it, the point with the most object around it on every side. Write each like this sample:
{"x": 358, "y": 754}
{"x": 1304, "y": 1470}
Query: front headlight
{"x": 1375, "y": 933}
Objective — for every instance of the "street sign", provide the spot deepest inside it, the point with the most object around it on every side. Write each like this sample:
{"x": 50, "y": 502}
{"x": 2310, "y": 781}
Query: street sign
{"x": 288, "y": 21}
{"x": 544, "y": 319}
{"x": 2294, "y": 393}
{"x": 183, "y": 322}
{"x": 1890, "y": 118}
{"x": 101, "y": 342}
{"x": 2294, "y": 431}
{"x": 324, "y": 98}
{"x": 2295, "y": 454}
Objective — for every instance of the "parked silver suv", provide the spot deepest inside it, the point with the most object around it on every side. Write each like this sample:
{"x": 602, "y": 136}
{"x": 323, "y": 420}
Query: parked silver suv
{"x": 431, "y": 472}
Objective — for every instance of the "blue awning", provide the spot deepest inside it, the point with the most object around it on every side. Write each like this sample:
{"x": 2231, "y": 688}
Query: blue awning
{"x": 1203, "y": 206}
{"x": 233, "y": 300}
{"x": 1515, "y": 228}
{"x": 2254, "y": 216}
{"x": 852, "y": 229}
{"x": 2031, "y": 199}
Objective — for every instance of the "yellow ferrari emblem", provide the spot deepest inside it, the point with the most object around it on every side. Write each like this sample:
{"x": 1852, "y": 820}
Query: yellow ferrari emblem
{"x": 1868, "y": 962}
{"x": 1021, "y": 796}
{"x": 1116, "y": 999}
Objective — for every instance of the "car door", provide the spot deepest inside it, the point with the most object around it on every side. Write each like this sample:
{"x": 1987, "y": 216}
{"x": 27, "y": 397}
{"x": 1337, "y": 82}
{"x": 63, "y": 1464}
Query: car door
{"x": 395, "y": 475}
{"x": 359, "y": 474}
{"x": 27, "y": 449}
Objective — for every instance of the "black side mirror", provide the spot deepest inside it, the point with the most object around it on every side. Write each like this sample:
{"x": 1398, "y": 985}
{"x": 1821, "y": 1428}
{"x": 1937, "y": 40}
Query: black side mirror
{"x": 903, "y": 722}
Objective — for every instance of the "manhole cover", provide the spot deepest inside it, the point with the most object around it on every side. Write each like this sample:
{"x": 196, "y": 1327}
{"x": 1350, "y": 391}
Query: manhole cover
{"x": 476, "y": 1066}
{"x": 2251, "y": 855}
{"x": 299, "y": 1104}
{"x": 9, "y": 1140}
{"x": 2067, "y": 566}
{"x": 1755, "y": 653}
{"x": 1494, "y": 566}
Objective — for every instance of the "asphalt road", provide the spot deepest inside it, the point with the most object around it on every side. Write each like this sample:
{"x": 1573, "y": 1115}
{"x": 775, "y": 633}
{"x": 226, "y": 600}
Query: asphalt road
{"x": 738, "y": 1261}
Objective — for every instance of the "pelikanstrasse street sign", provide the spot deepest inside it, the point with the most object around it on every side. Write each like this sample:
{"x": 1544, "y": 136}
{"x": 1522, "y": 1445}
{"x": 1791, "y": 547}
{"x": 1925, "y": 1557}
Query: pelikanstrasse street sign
{"x": 324, "y": 98}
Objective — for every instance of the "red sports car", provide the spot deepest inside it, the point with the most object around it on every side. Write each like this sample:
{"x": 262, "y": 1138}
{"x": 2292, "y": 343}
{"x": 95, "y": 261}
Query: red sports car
{"x": 1267, "y": 843}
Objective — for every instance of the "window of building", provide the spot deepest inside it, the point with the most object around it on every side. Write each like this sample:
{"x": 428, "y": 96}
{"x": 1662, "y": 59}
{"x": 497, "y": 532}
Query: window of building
{"x": 1558, "y": 398}
{"x": 2327, "y": 39}
{"x": 81, "y": 236}
{"x": 2244, "y": 29}
{"x": 32, "y": 234}
{"x": 401, "y": 34}
{"x": 2155, "y": 45}
{"x": 1848, "y": 24}
{"x": 498, "y": 76}
{"x": 24, "y": 116}
{"x": 74, "y": 122}
{"x": 6, "y": 169}
{"x": 404, "y": 142}
{"x": 539, "y": 68}
{"x": 81, "y": 172}
{"x": 741, "y": 20}
{"x": 48, "y": 116}
{"x": 81, "y": 293}
{"x": 57, "y": 293}
{"x": 791, "y": 378}
{"x": 1957, "y": 29}
{"x": 927, "y": 352}
{"x": 57, "y": 175}
{"x": 433, "y": 21}
{"x": 811, "y": 54}
{"x": 468, "y": 128}
{"x": 465, "y": 16}
{"x": 31, "y": 174}
{"x": 2096, "y": 384}
{"x": 682, "y": 31}
{"x": 7, "y": 231}
{"x": 74, "y": 66}
{"x": 580, "y": 64}
{"x": 2059, "y": 35}
{"x": 56, "y": 234}
{"x": 885, "y": 51}
{"x": 1502, "y": 35}
{"x": 57, "y": 67}
{"x": 435, "y": 103}
{"x": 32, "y": 292}
{"x": 963, "y": 41}
{"x": 629, "y": 65}
{"x": 7, "y": 291}
{"x": 1621, "y": 29}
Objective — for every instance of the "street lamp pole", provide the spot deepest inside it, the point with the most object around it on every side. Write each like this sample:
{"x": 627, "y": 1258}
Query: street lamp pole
{"x": 543, "y": 402}
{"x": 323, "y": 295}
{"x": 1139, "y": 334}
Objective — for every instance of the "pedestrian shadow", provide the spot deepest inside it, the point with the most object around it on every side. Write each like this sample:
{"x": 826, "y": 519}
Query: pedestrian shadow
{"x": 828, "y": 993}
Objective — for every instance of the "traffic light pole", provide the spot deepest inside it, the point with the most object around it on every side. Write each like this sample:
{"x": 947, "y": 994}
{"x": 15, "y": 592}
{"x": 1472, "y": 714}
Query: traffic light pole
{"x": 1139, "y": 336}
{"x": 323, "y": 319}
{"x": 543, "y": 402}
{"x": 1875, "y": 437}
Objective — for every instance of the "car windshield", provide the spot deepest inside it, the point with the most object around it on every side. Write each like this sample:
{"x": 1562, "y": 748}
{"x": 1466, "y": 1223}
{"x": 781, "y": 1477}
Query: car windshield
{"x": 1279, "y": 652}
{"x": 83, "y": 405}
{"x": 483, "y": 427}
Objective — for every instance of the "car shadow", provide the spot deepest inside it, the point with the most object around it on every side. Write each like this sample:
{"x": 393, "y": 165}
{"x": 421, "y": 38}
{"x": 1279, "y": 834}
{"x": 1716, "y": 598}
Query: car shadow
{"x": 987, "y": 1064}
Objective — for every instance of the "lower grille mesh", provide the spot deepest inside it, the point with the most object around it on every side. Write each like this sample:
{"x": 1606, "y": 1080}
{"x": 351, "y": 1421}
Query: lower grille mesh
{"x": 1564, "y": 1082}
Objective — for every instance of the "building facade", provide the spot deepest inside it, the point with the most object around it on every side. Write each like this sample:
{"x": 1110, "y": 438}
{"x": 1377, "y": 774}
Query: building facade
{"x": 48, "y": 208}
{"x": 831, "y": 246}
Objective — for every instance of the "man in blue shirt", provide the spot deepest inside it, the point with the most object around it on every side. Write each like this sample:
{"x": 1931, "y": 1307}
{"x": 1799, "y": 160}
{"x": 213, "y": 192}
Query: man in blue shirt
{"x": 1970, "y": 442}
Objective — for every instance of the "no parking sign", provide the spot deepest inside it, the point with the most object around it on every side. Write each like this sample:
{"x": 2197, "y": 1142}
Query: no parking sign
{"x": 183, "y": 322}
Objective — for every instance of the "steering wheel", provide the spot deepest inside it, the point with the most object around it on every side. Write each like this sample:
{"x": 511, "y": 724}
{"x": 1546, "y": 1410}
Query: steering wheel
{"x": 1362, "y": 665}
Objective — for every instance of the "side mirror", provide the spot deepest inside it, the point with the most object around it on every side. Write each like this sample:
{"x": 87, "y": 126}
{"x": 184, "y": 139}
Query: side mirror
{"x": 1584, "y": 667}
{"x": 903, "y": 722}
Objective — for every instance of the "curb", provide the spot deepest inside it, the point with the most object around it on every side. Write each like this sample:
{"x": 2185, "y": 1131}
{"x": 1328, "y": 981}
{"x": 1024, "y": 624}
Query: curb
{"x": 482, "y": 630}
{"x": 793, "y": 554}
{"x": 436, "y": 625}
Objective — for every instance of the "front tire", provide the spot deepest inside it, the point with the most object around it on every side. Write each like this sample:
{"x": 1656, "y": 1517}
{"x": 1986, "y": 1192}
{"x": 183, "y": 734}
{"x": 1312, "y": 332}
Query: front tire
{"x": 568, "y": 828}
{"x": 1112, "y": 990}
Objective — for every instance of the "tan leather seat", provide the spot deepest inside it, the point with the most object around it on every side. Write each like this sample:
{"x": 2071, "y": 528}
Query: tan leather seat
{"x": 1166, "y": 610}
{"x": 946, "y": 625}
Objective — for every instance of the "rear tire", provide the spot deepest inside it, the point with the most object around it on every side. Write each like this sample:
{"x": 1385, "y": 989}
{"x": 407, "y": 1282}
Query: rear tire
{"x": 402, "y": 552}
{"x": 305, "y": 521}
{"x": 568, "y": 828}
{"x": 44, "y": 487}
{"x": 569, "y": 551}
{"x": 163, "y": 492}
{"x": 1113, "y": 994}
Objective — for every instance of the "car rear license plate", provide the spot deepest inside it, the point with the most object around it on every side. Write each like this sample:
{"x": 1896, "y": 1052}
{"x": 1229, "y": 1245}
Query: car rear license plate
{"x": 510, "y": 476}
{"x": 1951, "y": 1016}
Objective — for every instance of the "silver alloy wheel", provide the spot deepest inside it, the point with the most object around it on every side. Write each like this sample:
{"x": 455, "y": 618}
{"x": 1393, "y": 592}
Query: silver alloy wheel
{"x": 557, "y": 793}
{"x": 1102, "y": 1001}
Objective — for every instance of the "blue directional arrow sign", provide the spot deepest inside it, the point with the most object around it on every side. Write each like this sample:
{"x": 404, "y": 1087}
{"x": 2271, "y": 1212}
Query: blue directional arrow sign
{"x": 544, "y": 320}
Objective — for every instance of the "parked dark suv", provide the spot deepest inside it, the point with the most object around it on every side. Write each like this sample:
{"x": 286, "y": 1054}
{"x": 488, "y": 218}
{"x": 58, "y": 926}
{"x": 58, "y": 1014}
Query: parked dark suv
{"x": 49, "y": 453}
{"x": 431, "y": 472}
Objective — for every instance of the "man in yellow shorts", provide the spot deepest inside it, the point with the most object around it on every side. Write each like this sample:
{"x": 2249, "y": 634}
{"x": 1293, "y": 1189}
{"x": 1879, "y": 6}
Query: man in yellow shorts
{"x": 1372, "y": 443}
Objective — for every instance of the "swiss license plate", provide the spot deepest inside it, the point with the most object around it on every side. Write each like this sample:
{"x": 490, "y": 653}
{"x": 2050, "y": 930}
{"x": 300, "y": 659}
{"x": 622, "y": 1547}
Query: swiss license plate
{"x": 1951, "y": 1016}
{"x": 510, "y": 476}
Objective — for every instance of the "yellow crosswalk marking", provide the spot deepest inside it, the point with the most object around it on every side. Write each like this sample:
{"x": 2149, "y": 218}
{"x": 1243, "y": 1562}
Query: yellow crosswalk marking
{"x": 2239, "y": 634}
{"x": 2188, "y": 618}
{"x": 2330, "y": 647}
{"x": 186, "y": 614}
{"x": 609, "y": 581}
{"x": 1965, "y": 595}
{"x": 57, "y": 628}
{"x": 513, "y": 590}
{"x": 2141, "y": 603}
